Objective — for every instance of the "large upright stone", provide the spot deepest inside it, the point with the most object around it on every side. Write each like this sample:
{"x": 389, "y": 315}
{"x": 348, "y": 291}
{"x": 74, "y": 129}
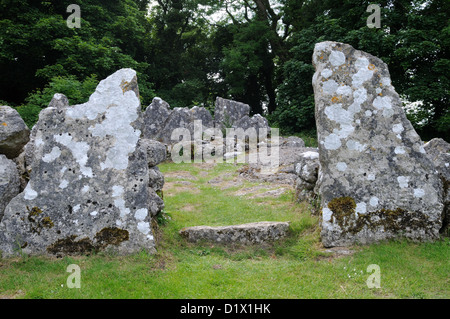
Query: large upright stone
{"x": 89, "y": 180}
{"x": 154, "y": 117}
{"x": 376, "y": 181}
{"x": 14, "y": 133}
{"x": 9, "y": 182}
{"x": 228, "y": 112}
{"x": 438, "y": 151}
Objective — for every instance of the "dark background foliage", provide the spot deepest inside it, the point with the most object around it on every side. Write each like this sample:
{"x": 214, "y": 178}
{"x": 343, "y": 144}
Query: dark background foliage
{"x": 188, "y": 52}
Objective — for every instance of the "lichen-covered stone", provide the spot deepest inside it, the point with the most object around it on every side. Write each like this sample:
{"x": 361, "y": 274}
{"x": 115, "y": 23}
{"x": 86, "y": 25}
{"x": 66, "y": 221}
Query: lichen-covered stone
{"x": 376, "y": 181}
{"x": 307, "y": 170}
{"x": 154, "y": 117}
{"x": 156, "y": 151}
{"x": 246, "y": 234}
{"x": 438, "y": 151}
{"x": 228, "y": 112}
{"x": 89, "y": 179}
{"x": 14, "y": 133}
{"x": 257, "y": 122}
{"x": 9, "y": 182}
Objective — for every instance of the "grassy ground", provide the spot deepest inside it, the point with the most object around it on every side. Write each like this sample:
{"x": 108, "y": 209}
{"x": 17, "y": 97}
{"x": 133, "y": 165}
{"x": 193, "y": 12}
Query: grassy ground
{"x": 298, "y": 267}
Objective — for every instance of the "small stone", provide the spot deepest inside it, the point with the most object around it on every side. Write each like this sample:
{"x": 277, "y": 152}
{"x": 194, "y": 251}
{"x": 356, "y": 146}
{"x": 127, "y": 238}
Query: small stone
{"x": 14, "y": 133}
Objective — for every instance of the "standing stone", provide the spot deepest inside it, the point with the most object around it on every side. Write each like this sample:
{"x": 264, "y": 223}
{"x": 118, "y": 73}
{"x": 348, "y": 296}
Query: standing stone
{"x": 228, "y": 112}
{"x": 154, "y": 117}
{"x": 376, "y": 182}
{"x": 89, "y": 181}
{"x": 179, "y": 118}
{"x": 9, "y": 182}
{"x": 14, "y": 133}
{"x": 203, "y": 115}
{"x": 438, "y": 151}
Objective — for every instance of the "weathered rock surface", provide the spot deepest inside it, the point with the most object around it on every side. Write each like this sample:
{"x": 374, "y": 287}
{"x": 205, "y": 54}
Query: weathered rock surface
{"x": 156, "y": 151}
{"x": 89, "y": 178}
{"x": 154, "y": 117}
{"x": 160, "y": 120}
{"x": 228, "y": 112}
{"x": 376, "y": 181}
{"x": 257, "y": 122}
{"x": 9, "y": 182}
{"x": 438, "y": 151}
{"x": 14, "y": 133}
{"x": 246, "y": 234}
{"x": 307, "y": 170}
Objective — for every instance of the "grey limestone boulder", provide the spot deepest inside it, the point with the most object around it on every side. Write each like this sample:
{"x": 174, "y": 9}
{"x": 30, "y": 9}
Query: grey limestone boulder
{"x": 438, "y": 151}
{"x": 154, "y": 117}
{"x": 246, "y": 234}
{"x": 376, "y": 181}
{"x": 14, "y": 133}
{"x": 203, "y": 115}
{"x": 307, "y": 170}
{"x": 89, "y": 179}
{"x": 156, "y": 151}
{"x": 229, "y": 112}
{"x": 9, "y": 182}
{"x": 257, "y": 122}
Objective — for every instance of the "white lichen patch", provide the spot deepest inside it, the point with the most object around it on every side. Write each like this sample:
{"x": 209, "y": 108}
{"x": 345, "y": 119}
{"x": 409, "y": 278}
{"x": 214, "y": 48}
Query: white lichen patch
{"x": 119, "y": 202}
{"x": 403, "y": 181}
{"x": 144, "y": 227}
{"x": 79, "y": 152}
{"x": 361, "y": 208}
{"x": 385, "y": 81}
{"x": 85, "y": 189}
{"x": 29, "y": 193}
{"x": 345, "y": 118}
{"x": 363, "y": 74}
{"x": 374, "y": 201}
{"x": 118, "y": 124}
{"x": 399, "y": 150}
{"x": 329, "y": 87}
{"x": 355, "y": 146}
{"x": 384, "y": 104}
{"x": 371, "y": 177}
{"x": 141, "y": 214}
{"x": 344, "y": 90}
{"x": 326, "y": 73}
{"x": 397, "y": 128}
{"x": 341, "y": 166}
{"x": 64, "y": 183}
{"x": 76, "y": 208}
{"x": 326, "y": 214}
{"x": 332, "y": 142}
{"x": 419, "y": 193}
{"x": 53, "y": 155}
{"x": 337, "y": 58}
{"x": 94, "y": 213}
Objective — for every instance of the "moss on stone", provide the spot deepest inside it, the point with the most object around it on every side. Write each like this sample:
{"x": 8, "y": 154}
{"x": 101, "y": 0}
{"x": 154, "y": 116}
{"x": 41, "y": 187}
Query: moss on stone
{"x": 343, "y": 209}
{"x": 37, "y": 223}
{"x": 69, "y": 246}
{"x": 396, "y": 220}
{"x": 110, "y": 236}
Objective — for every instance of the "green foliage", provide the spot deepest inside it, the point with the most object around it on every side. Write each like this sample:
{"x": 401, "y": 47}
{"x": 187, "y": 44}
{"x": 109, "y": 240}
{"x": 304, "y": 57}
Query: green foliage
{"x": 258, "y": 52}
{"x": 76, "y": 91}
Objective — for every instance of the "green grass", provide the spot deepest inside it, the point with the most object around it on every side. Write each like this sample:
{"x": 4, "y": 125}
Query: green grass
{"x": 296, "y": 268}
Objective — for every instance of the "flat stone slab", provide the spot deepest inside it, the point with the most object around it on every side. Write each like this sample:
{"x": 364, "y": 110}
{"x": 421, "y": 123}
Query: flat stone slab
{"x": 247, "y": 234}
